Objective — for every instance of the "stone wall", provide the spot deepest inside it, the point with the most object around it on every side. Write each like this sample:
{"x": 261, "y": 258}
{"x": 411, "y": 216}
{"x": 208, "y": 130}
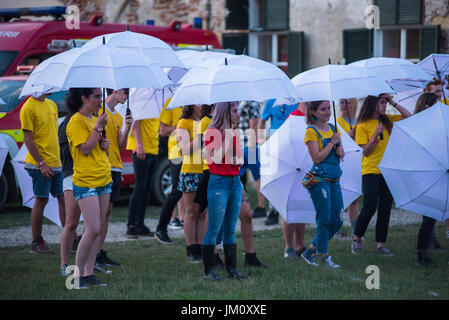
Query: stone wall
{"x": 436, "y": 12}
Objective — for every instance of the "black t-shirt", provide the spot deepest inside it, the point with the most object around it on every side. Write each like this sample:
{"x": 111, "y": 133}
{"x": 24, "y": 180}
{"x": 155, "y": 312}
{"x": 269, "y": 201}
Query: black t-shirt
{"x": 66, "y": 157}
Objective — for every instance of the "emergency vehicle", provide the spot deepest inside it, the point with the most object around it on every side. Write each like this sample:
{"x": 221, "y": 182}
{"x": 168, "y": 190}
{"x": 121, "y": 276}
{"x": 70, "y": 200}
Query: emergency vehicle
{"x": 25, "y": 43}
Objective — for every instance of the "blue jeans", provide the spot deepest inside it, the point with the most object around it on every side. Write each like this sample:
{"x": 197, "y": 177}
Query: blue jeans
{"x": 251, "y": 162}
{"x": 328, "y": 202}
{"x": 224, "y": 196}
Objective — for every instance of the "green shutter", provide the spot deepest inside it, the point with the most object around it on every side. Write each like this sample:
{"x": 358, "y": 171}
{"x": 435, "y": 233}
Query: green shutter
{"x": 409, "y": 12}
{"x": 388, "y": 11}
{"x": 429, "y": 40}
{"x": 236, "y": 41}
{"x": 276, "y": 14}
{"x": 237, "y": 15}
{"x": 357, "y": 44}
{"x": 295, "y": 53}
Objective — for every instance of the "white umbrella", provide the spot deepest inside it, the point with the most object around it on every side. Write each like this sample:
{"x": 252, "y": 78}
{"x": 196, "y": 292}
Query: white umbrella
{"x": 415, "y": 164}
{"x": 436, "y": 62}
{"x": 3, "y": 153}
{"x": 400, "y": 74}
{"x": 148, "y": 46}
{"x": 34, "y": 88}
{"x": 408, "y": 99}
{"x": 236, "y": 79}
{"x": 193, "y": 58}
{"x": 100, "y": 66}
{"x": 334, "y": 82}
{"x": 284, "y": 162}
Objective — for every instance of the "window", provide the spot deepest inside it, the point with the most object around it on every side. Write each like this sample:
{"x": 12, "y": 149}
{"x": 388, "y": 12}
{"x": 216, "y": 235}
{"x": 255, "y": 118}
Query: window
{"x": 6, "y": 57}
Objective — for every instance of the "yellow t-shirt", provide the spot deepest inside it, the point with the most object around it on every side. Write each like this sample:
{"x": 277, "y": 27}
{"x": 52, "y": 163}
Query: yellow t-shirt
{"x": 364, "y": 132}
{"x": 204, "y": 123}
{"x": 41, "y": 118}
{"x": 312, "y": 135}
{"x": 171, "y": 118}
{"x": 149, "y": 133}
{"x": 345, "y": 125}
{"x": 191, "y": 163}
{"x": 445, "y": 101}
{"x": 114, "y": 126}
{"x": 94, "y": 170}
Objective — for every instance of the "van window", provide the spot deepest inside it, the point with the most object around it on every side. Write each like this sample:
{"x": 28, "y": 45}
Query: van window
{"x": 59, "y": 99}
{"x": 9, "y": 92}
{"x": 6, "y": 57}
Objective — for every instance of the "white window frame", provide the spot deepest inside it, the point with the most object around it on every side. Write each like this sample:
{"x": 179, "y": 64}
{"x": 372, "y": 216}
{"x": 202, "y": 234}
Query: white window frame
{"x": 378, "y": 41}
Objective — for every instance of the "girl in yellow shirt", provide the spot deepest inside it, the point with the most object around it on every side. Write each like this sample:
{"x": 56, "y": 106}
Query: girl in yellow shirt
{"x": 91, "y": 179}
{"x": 187, "y": 135}
{"x": 372, "y": 134}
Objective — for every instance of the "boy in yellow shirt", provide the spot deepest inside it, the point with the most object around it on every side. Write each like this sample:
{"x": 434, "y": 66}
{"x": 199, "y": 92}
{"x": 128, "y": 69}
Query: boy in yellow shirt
{"x": 39, "y": 119}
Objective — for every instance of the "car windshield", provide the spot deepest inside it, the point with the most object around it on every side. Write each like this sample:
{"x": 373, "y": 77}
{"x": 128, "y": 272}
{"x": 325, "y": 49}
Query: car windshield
{"x": 10, "y": 91}
{"x": 6, "y": 57}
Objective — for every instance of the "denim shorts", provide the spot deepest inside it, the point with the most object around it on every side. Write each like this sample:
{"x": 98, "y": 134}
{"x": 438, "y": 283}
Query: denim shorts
{"x": 189, "y": 182}
{"x": 84, "y": 192}
{"x": 42, "y": 186}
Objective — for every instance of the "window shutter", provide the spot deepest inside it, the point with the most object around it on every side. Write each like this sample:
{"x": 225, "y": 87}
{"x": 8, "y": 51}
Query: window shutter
{"x": 276, "y": 14}
{"x": 236, "y": 41}
{"x": 429, "y": 41}
{"x": 409, "y": 11}
{"x": 388, "y": 11}
{"x": 237, "y": 16}
{"x": 357, "y": 44}
{"x": 295, "y": 53}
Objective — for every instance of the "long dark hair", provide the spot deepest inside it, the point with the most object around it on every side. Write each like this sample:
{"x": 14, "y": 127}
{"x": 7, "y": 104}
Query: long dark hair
{"x": 426, "y": 99}
{"x": 187, "y": 111}
{"x": 205, "y": 110}
{"x": 312, "y": 106}
{"x": 73, "y": 99}
{"x": 369, "y": 107}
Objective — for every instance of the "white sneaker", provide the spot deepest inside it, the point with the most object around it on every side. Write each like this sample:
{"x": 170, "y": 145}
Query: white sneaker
{"x": 327, "y": 261}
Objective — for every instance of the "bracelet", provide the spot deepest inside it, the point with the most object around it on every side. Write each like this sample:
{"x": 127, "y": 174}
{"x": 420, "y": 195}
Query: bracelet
{"x": 41, "y": 164}
{"x": 99, "y": 130}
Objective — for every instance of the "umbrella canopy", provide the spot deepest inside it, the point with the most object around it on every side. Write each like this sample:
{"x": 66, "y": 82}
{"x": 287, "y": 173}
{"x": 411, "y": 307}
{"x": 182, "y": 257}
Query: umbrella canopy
{"x": 400, "y": 74}
{"x": 334, "y": 82}
{"x": 284, "y": 162}
{"x": 415, "y": 164}
{"x": 408, "y": 99}
{"x": 3, "y": 153}
{"x": 193, "y": 58}
{"x": 100, "y": 66}
{"x": 2, "y": 101}
{"x": 153, "y": 48}
{"x": 436, "y": 62}
{"x": 236, "y": 79}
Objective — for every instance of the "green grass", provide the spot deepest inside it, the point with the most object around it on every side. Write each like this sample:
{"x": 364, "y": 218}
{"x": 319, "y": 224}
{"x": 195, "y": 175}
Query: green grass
{"x": 155, "y": 271}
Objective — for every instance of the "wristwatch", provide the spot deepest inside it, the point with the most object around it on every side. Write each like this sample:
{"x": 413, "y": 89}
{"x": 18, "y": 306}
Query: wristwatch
{"x": 99, "y": 130}
{"x": 41, "y": 163}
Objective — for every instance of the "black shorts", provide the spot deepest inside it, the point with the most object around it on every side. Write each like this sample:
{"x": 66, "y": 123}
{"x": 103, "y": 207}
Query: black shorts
{"x": 116, "y": 183}
{"x": 201, "y": 193}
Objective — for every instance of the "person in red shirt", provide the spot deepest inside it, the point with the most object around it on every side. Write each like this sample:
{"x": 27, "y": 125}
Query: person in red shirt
{"x": 224, "y": 194}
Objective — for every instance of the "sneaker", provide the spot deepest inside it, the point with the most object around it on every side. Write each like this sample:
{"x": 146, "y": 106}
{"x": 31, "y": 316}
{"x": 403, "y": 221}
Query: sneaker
{"x": 107, "y": 261}
{"x": 144, "y": 231}
{"x": 163, "y": 237}
{"x": 76, "y": 242}
{"x": 423, "y": 258}
{"x": 131, "y": 233}
{"x": 273, "y": 218}
{"x": 327, "y": 261}
{"x": 309, "y": 256}
{"x": 289, "y": 253}
{"x": 384, "y": 252}
{"x": 341, "y": 236}
{"x": 82, "y": 283}
{"x": 259, "y": 212}
{"x": 356, "y": 247}
{"x": 192, "y": 257}
{"x": 175, "y": 224}
{"x": 39, "y": 246}
{"x": 101, "y": 268}
{"x": 93, "y": 281}
{"x": 252, "y": 261}
{"x": 300, "y": 251}
{"x": 63, "y": 271}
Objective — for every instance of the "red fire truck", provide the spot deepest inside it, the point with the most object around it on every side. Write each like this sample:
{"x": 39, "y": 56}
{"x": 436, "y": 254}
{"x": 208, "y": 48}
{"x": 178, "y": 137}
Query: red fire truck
{"x": 25, "y": 42}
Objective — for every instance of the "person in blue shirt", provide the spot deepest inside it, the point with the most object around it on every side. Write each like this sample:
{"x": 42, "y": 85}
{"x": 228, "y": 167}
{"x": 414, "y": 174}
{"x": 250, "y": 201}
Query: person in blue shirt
{"x": 277, "y": 114}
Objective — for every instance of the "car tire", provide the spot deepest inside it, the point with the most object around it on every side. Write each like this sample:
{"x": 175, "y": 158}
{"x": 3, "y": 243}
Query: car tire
{"x": 162, "y": 182}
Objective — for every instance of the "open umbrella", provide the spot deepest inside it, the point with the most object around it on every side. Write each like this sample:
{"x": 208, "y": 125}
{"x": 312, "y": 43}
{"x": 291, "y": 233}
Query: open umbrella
{"x": 408, "y": 99}
{"x": 400, "y": 74}
{"x": 415, "y": 164}
{"x": 192, "y": 58}
{"x": 236, "y": 79}
{"x": 285, "y": 160}
{"x": 151, "y": 47}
